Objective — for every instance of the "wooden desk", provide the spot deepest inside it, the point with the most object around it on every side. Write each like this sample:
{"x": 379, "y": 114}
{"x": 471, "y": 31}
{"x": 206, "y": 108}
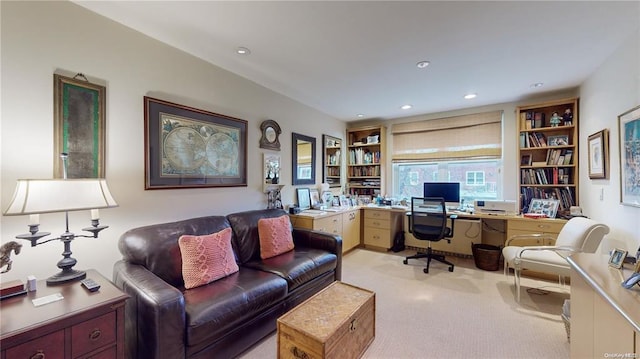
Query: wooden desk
{"x": 345, "y": 223}
{"x": 82, "y": 324}
{"x": 605, "y": 319}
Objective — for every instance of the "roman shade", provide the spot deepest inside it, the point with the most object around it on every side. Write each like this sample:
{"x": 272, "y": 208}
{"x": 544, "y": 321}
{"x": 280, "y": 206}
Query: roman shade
{"x": 460, "y": 137}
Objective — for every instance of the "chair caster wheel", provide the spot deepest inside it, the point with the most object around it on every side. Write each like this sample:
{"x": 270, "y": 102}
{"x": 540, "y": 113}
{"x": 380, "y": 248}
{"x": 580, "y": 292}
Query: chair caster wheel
{"x": 426, "y": 270}
{"x": 405, "y": 261}
{"x": 450, "y": 269}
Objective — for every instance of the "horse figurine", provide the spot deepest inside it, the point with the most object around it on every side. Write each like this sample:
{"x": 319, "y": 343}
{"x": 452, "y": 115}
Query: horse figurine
{"x": 5, "y": 254}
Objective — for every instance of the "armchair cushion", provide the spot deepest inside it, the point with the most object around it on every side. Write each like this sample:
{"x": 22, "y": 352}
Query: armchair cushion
{"x": 275, "y": 236}
{"x": 206, "y": 258}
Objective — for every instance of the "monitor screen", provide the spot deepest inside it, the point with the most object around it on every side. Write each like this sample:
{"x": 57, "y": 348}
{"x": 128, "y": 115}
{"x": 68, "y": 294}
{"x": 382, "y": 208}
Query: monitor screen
{"x": 450, "y": 191}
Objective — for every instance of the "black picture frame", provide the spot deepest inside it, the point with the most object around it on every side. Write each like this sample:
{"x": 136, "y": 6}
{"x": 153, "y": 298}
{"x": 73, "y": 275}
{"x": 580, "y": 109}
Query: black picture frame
{"x": 79, "y": 127}
{"x": 186, "y": 147}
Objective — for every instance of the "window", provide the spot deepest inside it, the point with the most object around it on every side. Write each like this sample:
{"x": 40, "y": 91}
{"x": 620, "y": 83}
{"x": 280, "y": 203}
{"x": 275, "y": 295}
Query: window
{"x": 475, "y": 178}
{"x": 465, "y": 149}
{"x": 479, "y": 179}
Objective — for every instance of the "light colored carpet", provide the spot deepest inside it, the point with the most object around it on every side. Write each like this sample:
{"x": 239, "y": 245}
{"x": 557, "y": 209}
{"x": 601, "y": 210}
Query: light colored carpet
{"x": 468, "y": 313}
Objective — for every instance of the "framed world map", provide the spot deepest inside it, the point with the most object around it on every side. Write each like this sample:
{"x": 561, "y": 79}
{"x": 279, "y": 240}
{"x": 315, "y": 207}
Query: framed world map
{"x": 187, "y": 147}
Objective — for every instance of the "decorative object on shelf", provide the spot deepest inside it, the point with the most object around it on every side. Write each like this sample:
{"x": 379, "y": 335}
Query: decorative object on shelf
{"x": 186, "y": 147}
{"x": 629, "y": 132}
{"x": 79, "y": 126}
{"x": 598, "y": 149}
{"x": 271, "y": 170}
{"x": 547, "y": 207}
{"x": 36, "y": 196}
{"x": 555, "y": 119}
{"x": 327, "y": 198}
{"x": 303, "y": 159}
{"x": 270, "y": 135}
{"x": 5, "y": 254}
{"x": 617, "y": 258}
{"x": 567, "y": 117}
{"x": 560, "y": 140}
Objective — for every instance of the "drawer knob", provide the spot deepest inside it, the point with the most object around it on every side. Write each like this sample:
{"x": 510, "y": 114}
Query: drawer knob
{"x": 38, "y": 355}
{"x": 95, "y": 334}
{"x": 352, "y": 326}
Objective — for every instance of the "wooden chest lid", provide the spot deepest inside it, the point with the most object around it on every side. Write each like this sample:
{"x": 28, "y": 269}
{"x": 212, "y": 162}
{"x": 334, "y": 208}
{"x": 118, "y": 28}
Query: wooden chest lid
{"x": 321, "y": 315}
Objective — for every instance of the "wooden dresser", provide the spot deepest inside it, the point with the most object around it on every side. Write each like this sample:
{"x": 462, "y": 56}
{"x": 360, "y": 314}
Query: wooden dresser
{"x": 345, "y": 223}
{"x": 81, "y": 325}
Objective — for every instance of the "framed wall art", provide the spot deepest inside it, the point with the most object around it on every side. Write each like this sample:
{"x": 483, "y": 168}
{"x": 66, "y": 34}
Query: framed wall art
{"x": 598, "y": 151}
{"x": 546, "y": 207}
{"x": 186, "y": 147}
{"x": 629, "y": 132}
{"x": 79, "y": 127}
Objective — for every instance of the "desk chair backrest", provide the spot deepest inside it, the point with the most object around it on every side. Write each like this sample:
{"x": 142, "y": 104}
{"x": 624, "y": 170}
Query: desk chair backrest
{"x": 582, "y": 234}
{"x": 429, "y": 218}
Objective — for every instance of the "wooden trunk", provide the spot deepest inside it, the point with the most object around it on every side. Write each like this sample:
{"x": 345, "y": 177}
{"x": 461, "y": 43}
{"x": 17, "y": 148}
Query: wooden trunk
{"x": 337, "y": 322}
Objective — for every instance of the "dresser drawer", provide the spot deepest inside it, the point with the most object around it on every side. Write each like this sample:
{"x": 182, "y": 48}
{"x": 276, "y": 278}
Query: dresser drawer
{"x": 377, "y": 223}
{"x": 93, "y": 334}
{"x": 50, "y": 346}
{"x": 377, "y": 214}
{"x": 377, "y": 237}
{"x": 302, "y": 222}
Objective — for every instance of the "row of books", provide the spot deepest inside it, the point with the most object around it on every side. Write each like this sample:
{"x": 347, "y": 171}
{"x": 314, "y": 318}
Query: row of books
{"x": 364, "y": 171}
{"x": 333, "y": 171}
{"x": 545, "y": 176}
{"x": 532, "y": 119}
{"x": 559, "y": 156}
{"x": 334, "y": 159}
{"x": 565, "y": 196}
{"x": 361, "y": 156}
{"x": 532, "y": 139}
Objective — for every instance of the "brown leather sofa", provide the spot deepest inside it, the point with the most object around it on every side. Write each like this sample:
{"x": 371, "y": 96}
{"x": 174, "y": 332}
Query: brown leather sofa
{"x": 225, "y": 317}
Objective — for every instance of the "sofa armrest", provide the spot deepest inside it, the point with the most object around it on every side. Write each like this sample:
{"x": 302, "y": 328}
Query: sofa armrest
{"x": 320, "y": 240}
{"x": 155, "y": 313}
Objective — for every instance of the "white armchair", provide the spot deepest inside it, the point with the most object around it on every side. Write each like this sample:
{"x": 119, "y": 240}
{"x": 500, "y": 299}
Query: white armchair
{"x": 578, "y": 235}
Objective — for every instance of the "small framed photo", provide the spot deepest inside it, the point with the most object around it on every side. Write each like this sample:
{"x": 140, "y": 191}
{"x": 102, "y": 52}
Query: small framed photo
{"x": 327, "y": 198}
{"x": 548, "y": 207}
{"x": 561, "y": 140}
{"x": 525, "y": 160}
{"x": 336, "y": 201}
{"x": 315, "y": 197}
{"x": 617, "y": 258}
{"x": 599, "y": 154}
{"x": 344, "y": 202}
{"x": 304, "y": 198}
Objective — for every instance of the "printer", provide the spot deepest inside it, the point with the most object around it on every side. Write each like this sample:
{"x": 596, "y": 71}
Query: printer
{"x": 496, "y": 207}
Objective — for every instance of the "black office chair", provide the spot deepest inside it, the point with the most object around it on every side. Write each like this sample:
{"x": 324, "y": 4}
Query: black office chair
{"x": 428, "y": 222}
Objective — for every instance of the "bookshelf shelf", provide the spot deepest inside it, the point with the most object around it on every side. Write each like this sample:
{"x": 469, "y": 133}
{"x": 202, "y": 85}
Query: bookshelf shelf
{"x": 365, "y": 153}
{"x": 548, "y": 154}
{"x": 332, "y": 160}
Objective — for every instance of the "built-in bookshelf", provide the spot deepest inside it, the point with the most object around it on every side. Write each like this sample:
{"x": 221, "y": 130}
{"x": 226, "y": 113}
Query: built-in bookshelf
{"x": 548, "y": 152}
{"x": 365, "y": 156}
{"x": 332, "y": 157}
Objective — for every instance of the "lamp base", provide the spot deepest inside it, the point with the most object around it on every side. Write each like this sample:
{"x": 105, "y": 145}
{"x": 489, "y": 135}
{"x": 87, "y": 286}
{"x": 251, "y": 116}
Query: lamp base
{"x": 66, "y": 275}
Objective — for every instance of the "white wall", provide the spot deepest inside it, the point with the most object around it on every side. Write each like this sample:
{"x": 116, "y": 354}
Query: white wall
{"x": 43, "y": 38}
{"x": 610, "y": 91}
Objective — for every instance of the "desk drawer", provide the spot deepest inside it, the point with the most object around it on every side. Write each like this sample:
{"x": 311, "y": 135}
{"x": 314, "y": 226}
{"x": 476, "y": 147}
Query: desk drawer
{"x": 377, "y": 237}
{"x": 535, "y": 226}
{"x": 93, "y": 334}
{"x": 331, "y": 224}
{"x": 48, "y": 346}
{"x": 302, "y": 222}
{"x": 377, "y": 223}
{"x": 377, "y": 214}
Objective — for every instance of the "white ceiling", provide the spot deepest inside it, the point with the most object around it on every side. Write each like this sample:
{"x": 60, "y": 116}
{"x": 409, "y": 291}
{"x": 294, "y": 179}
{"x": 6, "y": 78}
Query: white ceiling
{"x": 359, "y": 57}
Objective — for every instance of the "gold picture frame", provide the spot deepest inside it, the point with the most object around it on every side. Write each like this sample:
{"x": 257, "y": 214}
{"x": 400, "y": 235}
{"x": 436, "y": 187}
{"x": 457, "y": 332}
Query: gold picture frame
{"x": 79, "y": 119}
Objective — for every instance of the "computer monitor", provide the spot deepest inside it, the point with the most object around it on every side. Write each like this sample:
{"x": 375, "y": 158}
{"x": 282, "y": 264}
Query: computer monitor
{"x": 450, "y": 191}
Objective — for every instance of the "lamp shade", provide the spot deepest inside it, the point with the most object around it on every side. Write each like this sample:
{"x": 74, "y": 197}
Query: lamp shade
{"x": 59, "y": 195}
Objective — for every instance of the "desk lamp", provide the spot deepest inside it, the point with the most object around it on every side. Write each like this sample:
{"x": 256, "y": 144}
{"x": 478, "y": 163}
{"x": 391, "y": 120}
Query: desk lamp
{"x": 37, "y": 196}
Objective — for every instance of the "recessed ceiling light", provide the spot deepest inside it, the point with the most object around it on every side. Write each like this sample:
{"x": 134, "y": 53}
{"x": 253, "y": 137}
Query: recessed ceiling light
{"x": 537, "y": 84}
{"x": 422, "y": 64}
{"x": 243, "y": 51}
{"x": 360, "y": 115}
{"x": 406, "y": 107}
{"x": 469, "y": 96}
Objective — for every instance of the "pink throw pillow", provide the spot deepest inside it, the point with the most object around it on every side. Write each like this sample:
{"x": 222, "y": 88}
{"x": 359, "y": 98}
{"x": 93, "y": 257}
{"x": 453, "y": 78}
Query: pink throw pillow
{"x": 275, "y": 236}
{"x": 206, "y": 258}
